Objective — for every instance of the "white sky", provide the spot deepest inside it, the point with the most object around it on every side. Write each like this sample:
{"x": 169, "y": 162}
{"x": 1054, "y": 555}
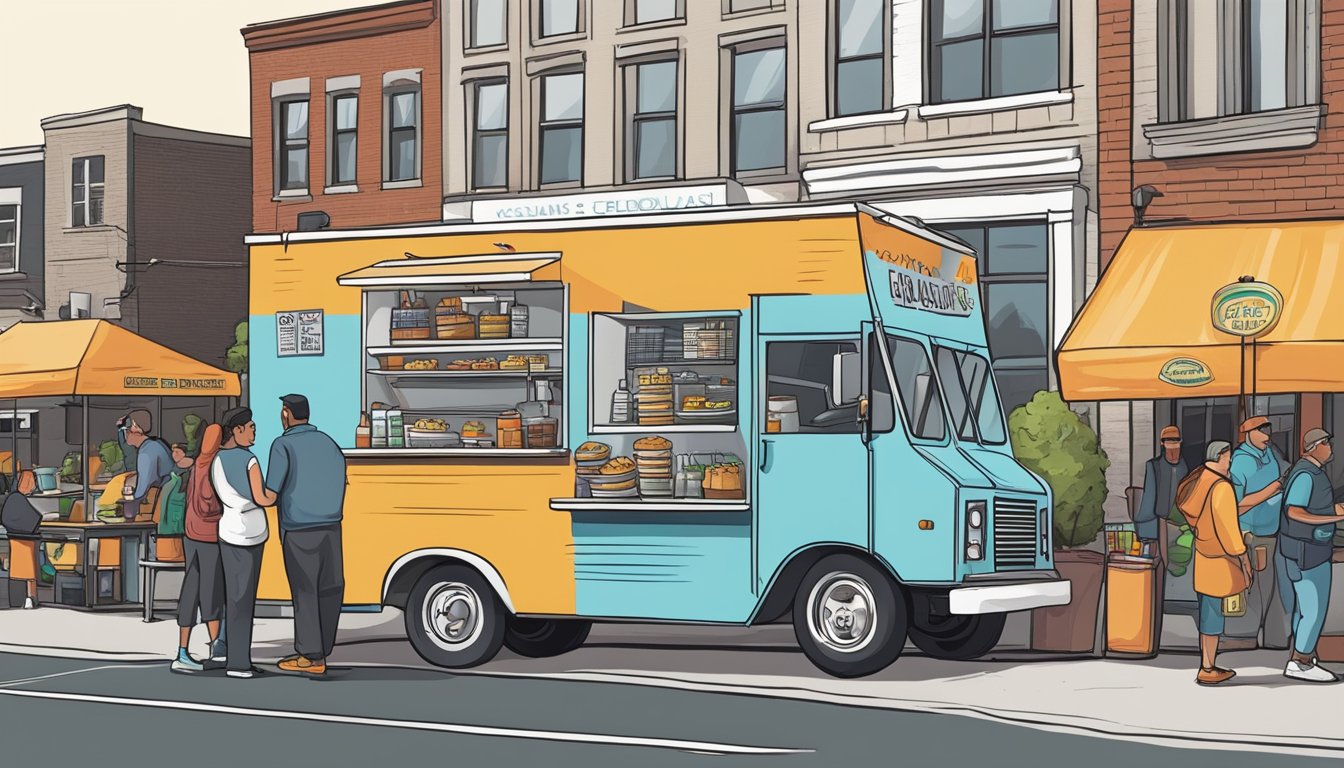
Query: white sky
{"x": 183, "y": 61}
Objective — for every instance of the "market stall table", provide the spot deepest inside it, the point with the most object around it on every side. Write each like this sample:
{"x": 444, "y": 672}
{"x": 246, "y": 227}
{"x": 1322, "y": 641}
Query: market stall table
{"x": 83, "y": 534}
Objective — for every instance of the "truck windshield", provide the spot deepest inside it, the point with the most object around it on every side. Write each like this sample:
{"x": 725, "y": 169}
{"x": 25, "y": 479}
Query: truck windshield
{"x": 968, "y": 384}
{"x": 919, "y": 392}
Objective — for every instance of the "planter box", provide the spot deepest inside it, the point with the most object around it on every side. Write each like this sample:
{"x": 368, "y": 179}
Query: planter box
{"x": 1072, "y": 628}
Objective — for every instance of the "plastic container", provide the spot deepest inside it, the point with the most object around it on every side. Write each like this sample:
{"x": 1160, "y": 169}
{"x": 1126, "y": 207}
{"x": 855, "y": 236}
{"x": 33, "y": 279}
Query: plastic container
{"x": 620, "y": 404}
{"x": 48, "y": 479}
{"x": 783, "y": 409}
{"x": 396, "y": 430}
{"x": 1133, "y": 605}
{"x": 378, "y": 429}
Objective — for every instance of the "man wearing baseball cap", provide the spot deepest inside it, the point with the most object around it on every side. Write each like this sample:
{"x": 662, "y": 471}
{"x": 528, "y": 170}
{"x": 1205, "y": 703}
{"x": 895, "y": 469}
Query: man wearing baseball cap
{"x": 1256, "y": 476}
{"x": 1160, "y": 478}
{"x": 1306, "y": 543}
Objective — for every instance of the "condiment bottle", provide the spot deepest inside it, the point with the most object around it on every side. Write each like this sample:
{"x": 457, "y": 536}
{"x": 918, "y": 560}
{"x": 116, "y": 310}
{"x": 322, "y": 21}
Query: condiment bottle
{"x": 363, "y": 432}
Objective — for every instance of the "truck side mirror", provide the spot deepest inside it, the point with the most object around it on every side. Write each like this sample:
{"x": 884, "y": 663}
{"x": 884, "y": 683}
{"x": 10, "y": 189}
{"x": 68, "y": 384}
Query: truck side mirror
{"x": 846, "y": 372}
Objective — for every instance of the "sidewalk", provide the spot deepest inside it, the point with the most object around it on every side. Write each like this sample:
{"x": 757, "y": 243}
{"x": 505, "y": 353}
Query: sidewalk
{"x": 1154, "y": 700}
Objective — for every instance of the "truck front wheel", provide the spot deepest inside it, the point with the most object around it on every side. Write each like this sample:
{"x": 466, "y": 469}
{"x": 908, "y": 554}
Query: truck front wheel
{"x": 454, "y": 619}
{"x": 850, "y": 618}
{"x": 943, "y": 635}
{"x": 542, "y": 638}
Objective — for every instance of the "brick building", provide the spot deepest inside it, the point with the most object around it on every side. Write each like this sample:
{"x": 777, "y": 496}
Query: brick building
{"x": 1217, "y": 120}
{"x": 346, "y": 117}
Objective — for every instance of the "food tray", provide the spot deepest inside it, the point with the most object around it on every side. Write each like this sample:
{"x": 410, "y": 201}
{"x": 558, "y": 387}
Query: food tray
{"x": 611, "y": 479}
{"x": 626, "y": 494}
{"x": 708, "y": 415}
{"x": 416, "y": 438}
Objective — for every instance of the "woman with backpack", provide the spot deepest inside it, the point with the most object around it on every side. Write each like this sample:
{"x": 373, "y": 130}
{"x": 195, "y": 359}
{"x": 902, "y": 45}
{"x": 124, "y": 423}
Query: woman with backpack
{"x": 203, "y": 584}
{"x": 1222, "y": 567}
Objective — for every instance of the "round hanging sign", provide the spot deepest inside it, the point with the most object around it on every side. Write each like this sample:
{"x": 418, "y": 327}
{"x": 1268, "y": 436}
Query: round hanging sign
{"x": 1248, "y": 309}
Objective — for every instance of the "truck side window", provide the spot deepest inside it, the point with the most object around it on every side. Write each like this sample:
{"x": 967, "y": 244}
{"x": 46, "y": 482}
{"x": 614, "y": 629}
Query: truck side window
{"x": 883, "y": 406}
{"x": 801, "y": 371}
{"x": 920, "y": 401}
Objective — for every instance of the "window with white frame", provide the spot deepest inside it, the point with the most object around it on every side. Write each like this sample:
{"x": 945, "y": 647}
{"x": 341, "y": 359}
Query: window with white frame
{"x": 739, "y": 6}
{"x": 403, "y": 133}
{"x": 980, "y": 49}
{"x": 489, "y": 22}
{"x": 559, "y": 17}
{"x": 858, "y": 74}
{"x": 561, "y": 128}
{"x": 653, "y": 11}
{"x": 1014, "y": 280}
{"x": 9, "y": 238}
{"x": 292, "y": 140}
{"x": 758, "y": 132}
{"x": 1238, "y": 57}
{"x": 652, "y": 128}
{"x": 86, "y": 194}
{"x": 490, "y": 134}
{"x": 344, "y": 137}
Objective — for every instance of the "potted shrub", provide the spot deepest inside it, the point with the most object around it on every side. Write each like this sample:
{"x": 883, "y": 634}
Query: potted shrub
{"x": 1055, "y": 443}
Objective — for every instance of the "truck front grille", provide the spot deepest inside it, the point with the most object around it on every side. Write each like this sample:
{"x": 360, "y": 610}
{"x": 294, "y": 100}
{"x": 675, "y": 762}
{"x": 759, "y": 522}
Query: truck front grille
{"x": 1015, "y": 538}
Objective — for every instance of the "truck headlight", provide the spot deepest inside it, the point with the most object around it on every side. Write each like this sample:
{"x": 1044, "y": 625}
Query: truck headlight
{"x": 975, "y": 529}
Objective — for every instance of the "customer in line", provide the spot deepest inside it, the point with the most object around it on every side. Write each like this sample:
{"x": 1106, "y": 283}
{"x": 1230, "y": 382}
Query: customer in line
{"x": 1306, "y": 541}
{"x": 307, "y": 482}
{"x": 242, "y": 532}
{"x": 1222, "y": 569}
{"x": 1256, "y": 475}
{"x": 203, "y": 583}
{"x": 153, "y": 461}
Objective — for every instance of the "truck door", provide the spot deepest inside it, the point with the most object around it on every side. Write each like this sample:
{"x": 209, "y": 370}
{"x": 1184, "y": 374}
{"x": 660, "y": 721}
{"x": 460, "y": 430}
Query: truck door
{"x": 810, "y": 458}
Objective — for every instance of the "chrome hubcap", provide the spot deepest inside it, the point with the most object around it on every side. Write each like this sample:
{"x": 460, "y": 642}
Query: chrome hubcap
{"x": 841, "y": 612}
{"x": 452, "y": 614}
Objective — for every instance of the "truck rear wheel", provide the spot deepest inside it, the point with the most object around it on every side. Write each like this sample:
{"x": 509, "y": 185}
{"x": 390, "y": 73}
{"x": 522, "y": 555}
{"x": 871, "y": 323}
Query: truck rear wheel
{"x": 454, "y": 619}
{"x": 850, "y": 618}
{"x": 542, "y": 638}
{"x": 943, "y": 635}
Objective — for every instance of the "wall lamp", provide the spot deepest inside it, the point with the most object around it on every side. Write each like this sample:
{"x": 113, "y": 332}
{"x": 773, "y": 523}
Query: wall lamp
{"x": 1140, "y": 198}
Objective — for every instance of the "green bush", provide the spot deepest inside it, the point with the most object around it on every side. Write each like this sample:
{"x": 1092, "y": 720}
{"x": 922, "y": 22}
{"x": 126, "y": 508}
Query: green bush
{"x": 191, "y": 429}
{"x": 235, "y": 359}
{"x": 114, "y": 461}
{"x": 1055, "y": 443}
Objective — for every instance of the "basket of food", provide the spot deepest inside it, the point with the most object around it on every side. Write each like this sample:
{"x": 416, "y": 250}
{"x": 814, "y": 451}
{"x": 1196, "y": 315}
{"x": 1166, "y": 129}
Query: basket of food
{"x": 591, "y": 456}
{"x": 431, "y": 433}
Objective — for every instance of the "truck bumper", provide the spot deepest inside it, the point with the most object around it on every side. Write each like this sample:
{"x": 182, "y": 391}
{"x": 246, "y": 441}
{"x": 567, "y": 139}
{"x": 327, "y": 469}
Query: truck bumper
{"x": 1002, "y": 598}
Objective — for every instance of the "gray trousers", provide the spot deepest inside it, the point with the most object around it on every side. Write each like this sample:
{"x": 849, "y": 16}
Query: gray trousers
{"x": 242, "y": 571}
{"x": 202, "y": 584}
{"x": 1271, "y": 601}
{"x": 316, "y": 571}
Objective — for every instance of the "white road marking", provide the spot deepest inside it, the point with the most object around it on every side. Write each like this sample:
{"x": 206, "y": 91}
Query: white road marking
{"x": 26, "y": 680}
{"x": 702, "y": 747}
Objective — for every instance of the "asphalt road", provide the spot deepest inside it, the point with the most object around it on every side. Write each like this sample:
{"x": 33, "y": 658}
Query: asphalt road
{"x": 76, "y": 712}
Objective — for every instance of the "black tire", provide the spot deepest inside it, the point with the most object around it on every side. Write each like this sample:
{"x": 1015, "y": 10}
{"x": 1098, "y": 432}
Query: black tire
{"x": 451, "y": 594}
{"x": 946, "y": 636}
{"x": 876, "y": 642}
{"x": 542, "y": 638}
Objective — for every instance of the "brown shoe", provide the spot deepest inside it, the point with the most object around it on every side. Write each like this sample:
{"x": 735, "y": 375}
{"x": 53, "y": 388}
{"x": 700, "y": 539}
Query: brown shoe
{"x": 304, "y": 666}
{"x": 1214, "y": 676}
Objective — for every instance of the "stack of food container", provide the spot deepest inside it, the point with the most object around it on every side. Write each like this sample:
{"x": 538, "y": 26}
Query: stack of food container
{"x": 451, "y": 322}
{"x": 590, "y": 457}
{"x": 494, "y": 326}
{"x": 653, "y": 401}
{"x": 653, "y": 457}
{"x": 410, "y": 323}
{"x": 509, "y": 430}
{"x": 615, "y": 479}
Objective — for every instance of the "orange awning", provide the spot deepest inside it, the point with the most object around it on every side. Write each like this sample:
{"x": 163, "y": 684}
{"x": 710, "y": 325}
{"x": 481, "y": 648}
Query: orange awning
{"x": 457, "y": 270}
{"x": 1151, "y": 313}
{"x": 97, "y": 358}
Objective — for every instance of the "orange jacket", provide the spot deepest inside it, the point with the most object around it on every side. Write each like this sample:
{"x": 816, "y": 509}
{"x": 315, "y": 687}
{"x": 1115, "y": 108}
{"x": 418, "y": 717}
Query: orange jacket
{"x": 1211, "y": 510}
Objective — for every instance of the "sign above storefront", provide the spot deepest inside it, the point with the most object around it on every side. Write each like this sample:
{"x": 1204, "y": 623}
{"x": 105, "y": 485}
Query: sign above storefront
{"x": 604, "y": 204}
{"x": 1185, "y": 372}
{"x": 1247, "y": 308}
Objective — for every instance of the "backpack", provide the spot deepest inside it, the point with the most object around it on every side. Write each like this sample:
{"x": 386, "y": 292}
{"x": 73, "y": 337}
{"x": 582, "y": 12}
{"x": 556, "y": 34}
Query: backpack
{"x": 19, "y": 518}
{"x": 173, "y": 505}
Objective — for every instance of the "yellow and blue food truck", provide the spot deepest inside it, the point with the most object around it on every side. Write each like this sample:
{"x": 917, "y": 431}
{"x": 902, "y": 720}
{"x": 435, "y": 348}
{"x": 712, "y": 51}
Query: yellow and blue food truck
{"x": 729, "y": 416}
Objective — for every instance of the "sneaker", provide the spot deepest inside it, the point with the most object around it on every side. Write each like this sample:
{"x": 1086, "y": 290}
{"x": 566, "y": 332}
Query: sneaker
{"x": 304, "y": 666}
{"x": 1310, "y": 673}
{"x": 1214, "y": 676}
{"x": 244, "y": 674}
{"x": 29, "y": 604}
{"x": 184, "y": 663}
{"x": 219, "y": 651}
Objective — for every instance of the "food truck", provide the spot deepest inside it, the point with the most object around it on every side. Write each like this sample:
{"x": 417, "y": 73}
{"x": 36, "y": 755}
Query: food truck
{"x": 729, "y": 416}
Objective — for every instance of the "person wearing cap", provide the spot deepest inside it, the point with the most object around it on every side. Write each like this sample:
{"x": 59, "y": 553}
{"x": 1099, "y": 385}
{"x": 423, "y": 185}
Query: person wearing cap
{"x": 1257, "y": 472}
{"x": 306, "y": 477}
{"x": 1221, "y": 567}
{"x": 1306, "y": 542}
{"x": 1160, "y": 478}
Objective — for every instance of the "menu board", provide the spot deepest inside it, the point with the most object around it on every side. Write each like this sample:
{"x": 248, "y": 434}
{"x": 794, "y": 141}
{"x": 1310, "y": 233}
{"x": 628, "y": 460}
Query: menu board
{"x": 298, "y": 333}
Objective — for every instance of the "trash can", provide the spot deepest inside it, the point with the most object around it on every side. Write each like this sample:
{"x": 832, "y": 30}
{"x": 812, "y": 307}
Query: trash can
{"x": 1133, "y": 605}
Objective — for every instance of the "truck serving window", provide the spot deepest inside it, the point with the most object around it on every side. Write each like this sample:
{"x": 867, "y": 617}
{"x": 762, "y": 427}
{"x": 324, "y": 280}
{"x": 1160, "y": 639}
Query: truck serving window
{"x": 920, "y": 401}
{"x": 971, "y": 397}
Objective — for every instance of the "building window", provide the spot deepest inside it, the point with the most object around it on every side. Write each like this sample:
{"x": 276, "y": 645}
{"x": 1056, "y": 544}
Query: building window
{"x": 403, "y": 134}
{"x": 489, "y": 20}
{"x": 1219, "y": 59}
{"x": 1014, "y": 292}
{"x": 653, "y": 123}
{"x": 652, "y": 11}
{"x": 344, "y": 132}
{"x": 859, "y": 74}
{"x": 86, "y": 209}
{"x": 983, "y": 49}
{"x": 559, "y": 17}
{"x": 561, "y": 128}
{"x": 490, "y": 144}
{"x": 739, "y": 6}
{"x": 758, "y": 132}
{"x": 292, "y": 130}
{"x": 9, "y": 238}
